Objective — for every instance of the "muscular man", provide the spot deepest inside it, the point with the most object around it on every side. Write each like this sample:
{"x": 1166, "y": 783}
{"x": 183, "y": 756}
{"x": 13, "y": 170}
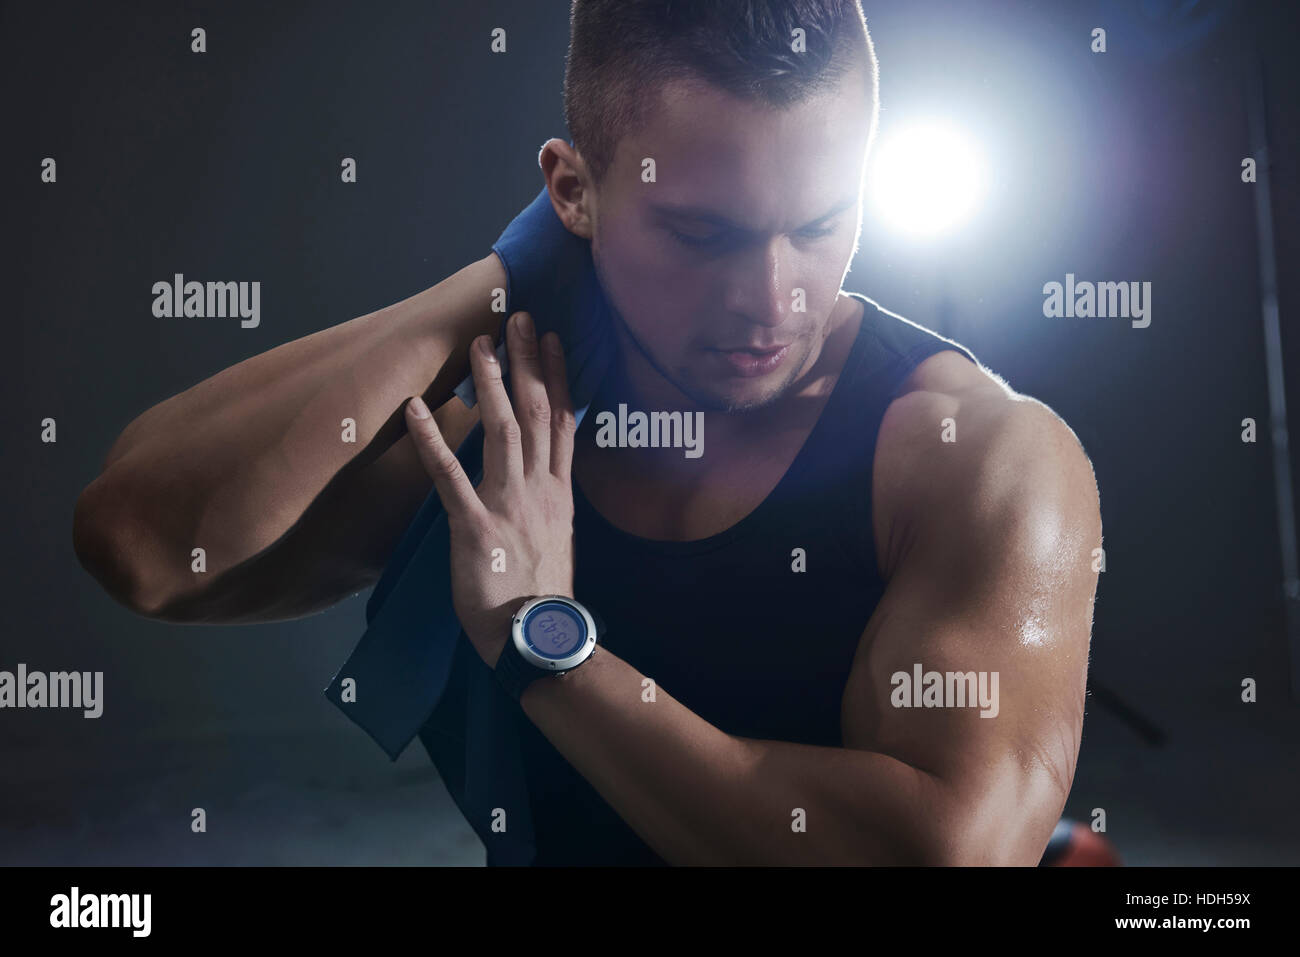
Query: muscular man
{"x": 871, "y": 505}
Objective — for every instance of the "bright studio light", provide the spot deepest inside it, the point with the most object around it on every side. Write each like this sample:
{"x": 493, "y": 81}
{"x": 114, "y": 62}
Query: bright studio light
{"x": 926, "y": 179}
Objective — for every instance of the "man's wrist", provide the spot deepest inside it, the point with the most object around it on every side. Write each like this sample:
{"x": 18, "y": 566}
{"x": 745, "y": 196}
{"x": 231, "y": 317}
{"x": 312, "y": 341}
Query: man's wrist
{"x": 489, "y": 275}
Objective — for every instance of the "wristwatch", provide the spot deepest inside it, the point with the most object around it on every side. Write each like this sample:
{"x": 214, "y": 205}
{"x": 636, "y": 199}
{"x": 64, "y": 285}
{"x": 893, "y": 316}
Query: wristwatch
{"x": 549, "y": 635}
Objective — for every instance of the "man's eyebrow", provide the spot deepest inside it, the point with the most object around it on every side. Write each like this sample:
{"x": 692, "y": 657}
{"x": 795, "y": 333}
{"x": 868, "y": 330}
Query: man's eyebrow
{"x": 704, "y": 214}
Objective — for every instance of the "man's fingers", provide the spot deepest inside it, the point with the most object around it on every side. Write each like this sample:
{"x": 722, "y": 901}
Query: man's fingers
{"x": 454, "y": 487}
{"x": 563, "y": 421}
{"x": 502, "y": 454}
{"x": 532, "y": 407}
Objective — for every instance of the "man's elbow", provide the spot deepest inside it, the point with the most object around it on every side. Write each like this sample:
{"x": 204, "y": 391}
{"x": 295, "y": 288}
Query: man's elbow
{"x": 109, "y": 546}
{"x": 982, "y": 834}
{"x": 967, "y": 849}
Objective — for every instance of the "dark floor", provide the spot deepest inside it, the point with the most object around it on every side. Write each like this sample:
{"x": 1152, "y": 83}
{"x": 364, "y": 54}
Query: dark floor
{"x": 297, "y": 798}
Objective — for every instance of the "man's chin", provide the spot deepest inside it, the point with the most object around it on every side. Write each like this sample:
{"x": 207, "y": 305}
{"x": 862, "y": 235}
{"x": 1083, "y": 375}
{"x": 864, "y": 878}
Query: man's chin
{"x": 749, "y": 395}
{"x": 747, "y": 398}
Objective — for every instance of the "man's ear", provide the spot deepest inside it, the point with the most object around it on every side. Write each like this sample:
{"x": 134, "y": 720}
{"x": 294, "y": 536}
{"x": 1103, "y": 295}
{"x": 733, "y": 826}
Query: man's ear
{"x": 569, "y": 184}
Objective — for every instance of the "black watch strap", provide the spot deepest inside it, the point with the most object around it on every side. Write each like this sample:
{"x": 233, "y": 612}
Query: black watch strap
{"x": 512, "y": 672}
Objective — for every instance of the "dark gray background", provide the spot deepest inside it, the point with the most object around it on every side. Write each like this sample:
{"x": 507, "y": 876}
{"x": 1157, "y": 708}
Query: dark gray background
{"x": 1122, "y": 166}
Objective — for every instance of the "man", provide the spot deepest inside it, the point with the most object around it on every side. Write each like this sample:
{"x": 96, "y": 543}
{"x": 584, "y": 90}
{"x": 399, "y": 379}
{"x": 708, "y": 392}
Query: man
{"x": 870, "y": 507}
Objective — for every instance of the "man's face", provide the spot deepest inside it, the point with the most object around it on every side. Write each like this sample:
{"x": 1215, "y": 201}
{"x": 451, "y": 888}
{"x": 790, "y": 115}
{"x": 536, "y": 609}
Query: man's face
{"x": 712, "y": 255}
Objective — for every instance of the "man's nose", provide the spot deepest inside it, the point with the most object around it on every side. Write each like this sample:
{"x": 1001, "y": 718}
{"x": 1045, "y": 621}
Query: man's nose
{"x": 759, "y": 289}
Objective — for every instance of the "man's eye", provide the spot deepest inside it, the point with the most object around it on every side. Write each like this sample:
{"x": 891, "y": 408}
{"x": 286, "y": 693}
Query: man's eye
{"x": 697, "y": 240}
{"x": 816, "y": 233}
{"x": 717, "y": 239}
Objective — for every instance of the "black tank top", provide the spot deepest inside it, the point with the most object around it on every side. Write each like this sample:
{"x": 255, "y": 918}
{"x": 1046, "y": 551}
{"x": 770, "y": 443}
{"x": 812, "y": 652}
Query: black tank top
{"x": 724, "y": 624}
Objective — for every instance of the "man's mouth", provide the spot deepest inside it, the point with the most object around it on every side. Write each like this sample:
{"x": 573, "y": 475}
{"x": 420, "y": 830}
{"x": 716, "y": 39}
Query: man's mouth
{"x": 749, "y": 361}
{"x": 757, "y": 350}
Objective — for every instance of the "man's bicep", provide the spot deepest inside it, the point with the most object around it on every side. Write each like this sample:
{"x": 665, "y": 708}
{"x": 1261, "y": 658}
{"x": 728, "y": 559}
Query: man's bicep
{"x": 974, "y": 664}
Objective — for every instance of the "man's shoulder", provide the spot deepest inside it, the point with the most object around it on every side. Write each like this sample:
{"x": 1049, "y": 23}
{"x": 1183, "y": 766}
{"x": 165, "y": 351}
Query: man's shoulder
{"x": 958, "y": 448}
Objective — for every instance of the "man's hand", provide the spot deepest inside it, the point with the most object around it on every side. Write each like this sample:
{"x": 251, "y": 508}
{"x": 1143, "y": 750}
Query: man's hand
{"x": 512, "y": 537}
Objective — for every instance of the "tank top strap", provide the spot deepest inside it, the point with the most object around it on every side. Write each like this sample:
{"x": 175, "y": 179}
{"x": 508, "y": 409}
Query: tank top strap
{"x": 836, "y": 467}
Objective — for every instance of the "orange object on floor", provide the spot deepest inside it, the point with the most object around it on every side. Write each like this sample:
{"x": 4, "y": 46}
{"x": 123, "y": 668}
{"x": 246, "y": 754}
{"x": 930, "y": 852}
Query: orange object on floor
{"x": 1075, "y": 844}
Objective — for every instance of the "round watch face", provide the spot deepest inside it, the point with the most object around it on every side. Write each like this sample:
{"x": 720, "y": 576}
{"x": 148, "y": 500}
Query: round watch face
{"x": 554, "y": 630}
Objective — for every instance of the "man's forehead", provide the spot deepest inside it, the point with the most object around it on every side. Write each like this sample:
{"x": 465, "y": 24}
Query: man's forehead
{"x": 690, "y": 112}
{"x": 722, "y": 156}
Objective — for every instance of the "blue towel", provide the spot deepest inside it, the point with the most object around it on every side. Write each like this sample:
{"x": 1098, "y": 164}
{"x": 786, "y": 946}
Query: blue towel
{"x": 407, "y": 658}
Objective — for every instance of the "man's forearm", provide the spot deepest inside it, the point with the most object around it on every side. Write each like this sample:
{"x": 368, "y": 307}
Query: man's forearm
{"x": 697, "y": 795}
{"x": 234, "y": 462}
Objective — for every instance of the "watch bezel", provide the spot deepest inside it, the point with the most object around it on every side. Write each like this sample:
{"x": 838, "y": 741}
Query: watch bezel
{"x": 540, "y": 662}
